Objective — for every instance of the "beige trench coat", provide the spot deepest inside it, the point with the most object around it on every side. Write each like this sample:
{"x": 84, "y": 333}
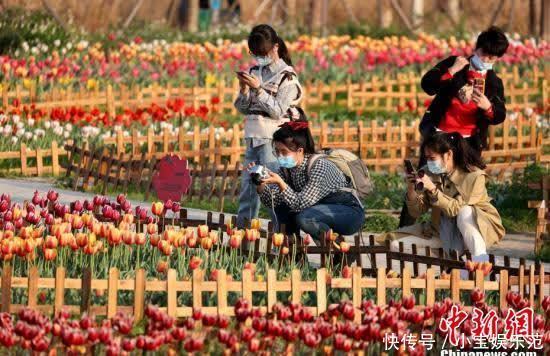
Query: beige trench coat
{"x": 454, "y": 192}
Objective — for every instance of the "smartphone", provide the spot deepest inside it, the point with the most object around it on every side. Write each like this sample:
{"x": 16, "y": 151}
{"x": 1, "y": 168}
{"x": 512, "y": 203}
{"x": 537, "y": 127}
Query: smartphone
{"x": 240, "y": 73}
{"x": 409, "y": 167}
{"x": 479, "y": 84}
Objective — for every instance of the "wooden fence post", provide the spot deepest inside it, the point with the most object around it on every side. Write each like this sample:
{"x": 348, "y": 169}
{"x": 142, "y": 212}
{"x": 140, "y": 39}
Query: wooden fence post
{"x": 196, "y": 285}
{"x": 112, "y": 292}
{"x": 541, "y": 285}
{"x": 139, "y": 294}
{"x": 39, "y": 162}
{"x": 357, "y": 292}
{"x": 119, "y": 142}
{"x": 59, "y": 289}
{"x": 55, "y": 159}
{"x": 172, "y": 293}
{"x": 532, "y": 286}
{"x": 381, "y": 287}
{"x": 33, "y": 287}
{"x": 321, "y": 282}
{"x": 246, "y": 289}
{"x": 406, "y": 282}
{"x": 23, "y": 156}
{"x": 296, "y": 286}
{"x": 503, "y": 288}
{"x": 271, "y": 291}
{"x": 455, "y": 285}
{"x": 430, "y": 287}
{"x": 6, "y": 287}
{"x": 86, "y": 290}
{"x": 221, "y": 292}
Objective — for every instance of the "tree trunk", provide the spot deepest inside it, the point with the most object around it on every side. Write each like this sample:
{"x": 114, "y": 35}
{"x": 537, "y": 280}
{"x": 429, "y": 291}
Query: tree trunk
{"x": 316, "y": 15}
{"x": 545, "y": 20}
{"x": 192, "y": 24}
{"x": 453, "y": 9}
{"x": 417, "y": 10}
{"x": 291, "y": 12}
{"x": 385, "y": 13}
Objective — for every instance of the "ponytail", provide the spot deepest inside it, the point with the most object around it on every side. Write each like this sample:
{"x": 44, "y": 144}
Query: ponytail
{"x": 283, "y": 51}
{"x": 261, "y": 40}
{"x": 295, "y": 135}
{"x": 464, "y": 156}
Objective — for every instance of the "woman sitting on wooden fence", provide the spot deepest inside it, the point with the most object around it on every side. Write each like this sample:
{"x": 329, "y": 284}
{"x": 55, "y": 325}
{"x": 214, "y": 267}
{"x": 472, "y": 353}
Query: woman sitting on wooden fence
{"x": 310, "y": 193}
{"x": 453, "y": 185}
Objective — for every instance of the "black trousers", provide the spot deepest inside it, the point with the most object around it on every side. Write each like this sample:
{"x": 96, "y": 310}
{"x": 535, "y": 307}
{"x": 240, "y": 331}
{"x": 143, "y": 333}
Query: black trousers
{"x": 405, "y": 219}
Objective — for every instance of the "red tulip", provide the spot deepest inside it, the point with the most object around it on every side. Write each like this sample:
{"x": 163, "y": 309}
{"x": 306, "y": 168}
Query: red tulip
{"x": 409, "y": 302}
{"x": 254, "y": 345}
{"x": 128, "y": 344}
{"x": 195, "y": 262}
{"x": 477, "y": 295}
{"x": 52, "y": 195}
{"x": 312, "y": 340}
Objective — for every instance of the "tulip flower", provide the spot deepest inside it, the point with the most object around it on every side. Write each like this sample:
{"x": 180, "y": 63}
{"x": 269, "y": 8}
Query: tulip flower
{"x": 202, "y": 231}
{"x": 278, "y": 239}
{"x": 157, "y": 209}
{"x": 195, "y": 262}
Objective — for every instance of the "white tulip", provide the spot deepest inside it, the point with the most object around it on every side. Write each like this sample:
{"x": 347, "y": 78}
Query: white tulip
{"x": 57, "y": 43}
{"x": 20, "y": 132}
{"x": 66, "y": 134}
{"x": 68, "y": 127}
{"x": 528, "y": 112}
{"x": 14, "y": 140}
{"x": 186, "y": 125}
{"x": 30, "y": 122}
{"x": 47, "y": 124}
{"x": 15, "y": 119}
{"x": 28, "y": 135}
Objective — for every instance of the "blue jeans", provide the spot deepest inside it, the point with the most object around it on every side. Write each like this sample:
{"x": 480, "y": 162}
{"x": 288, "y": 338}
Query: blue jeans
{"x": 340, "y": 212}
{"x": 249, "y": 202}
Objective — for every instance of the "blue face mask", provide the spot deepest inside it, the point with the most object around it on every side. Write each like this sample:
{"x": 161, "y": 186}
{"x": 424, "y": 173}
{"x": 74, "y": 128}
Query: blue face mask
{"x": 478, "y": 64}
{"x": 263, "y": 60}
{"x": 436, "y": 167}
{"x": 287, "y": 161}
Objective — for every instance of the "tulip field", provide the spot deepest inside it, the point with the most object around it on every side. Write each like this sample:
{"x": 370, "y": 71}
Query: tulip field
{"x": 137, "y": 273}
{"x": 99, "y": 235}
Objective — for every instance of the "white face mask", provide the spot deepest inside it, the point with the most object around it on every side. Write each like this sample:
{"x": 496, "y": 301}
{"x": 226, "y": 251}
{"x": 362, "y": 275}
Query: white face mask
{"x": 479, "y": 65}
{"x": 263, "y": 61}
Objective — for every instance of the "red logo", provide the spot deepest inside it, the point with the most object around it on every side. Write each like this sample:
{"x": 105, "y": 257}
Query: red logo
{"x": 172, "y": 178}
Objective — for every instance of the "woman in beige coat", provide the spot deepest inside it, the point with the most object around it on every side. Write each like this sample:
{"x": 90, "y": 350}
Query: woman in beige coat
{"x": 454, "y": 187}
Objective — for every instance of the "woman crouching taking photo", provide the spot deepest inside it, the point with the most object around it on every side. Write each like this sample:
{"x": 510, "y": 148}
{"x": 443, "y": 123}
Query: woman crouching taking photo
{"x": 454, "y": 185}
{"x": 315, "y": 196}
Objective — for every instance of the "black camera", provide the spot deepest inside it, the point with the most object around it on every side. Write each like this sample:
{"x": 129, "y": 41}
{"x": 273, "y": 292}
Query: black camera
{"x": 258, "y": 173}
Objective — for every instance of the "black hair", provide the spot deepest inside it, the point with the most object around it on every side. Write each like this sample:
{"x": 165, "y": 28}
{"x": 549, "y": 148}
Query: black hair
{"x": 493, "y": 42}
{"x": 261, "y": 40}
{"x": 464, "y": 157}
{"x": 295, "y": 138}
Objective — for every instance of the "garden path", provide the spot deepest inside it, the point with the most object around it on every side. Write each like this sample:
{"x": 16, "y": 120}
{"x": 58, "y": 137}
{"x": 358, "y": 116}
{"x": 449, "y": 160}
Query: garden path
{"x": 513, "y": 245}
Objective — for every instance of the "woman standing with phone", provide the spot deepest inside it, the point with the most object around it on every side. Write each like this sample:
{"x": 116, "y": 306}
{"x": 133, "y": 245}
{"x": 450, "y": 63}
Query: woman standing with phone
{"x": 269, "y": 91}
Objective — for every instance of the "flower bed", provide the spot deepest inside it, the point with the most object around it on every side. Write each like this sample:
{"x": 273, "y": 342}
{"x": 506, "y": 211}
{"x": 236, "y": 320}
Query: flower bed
{"x": 329, "y": 58}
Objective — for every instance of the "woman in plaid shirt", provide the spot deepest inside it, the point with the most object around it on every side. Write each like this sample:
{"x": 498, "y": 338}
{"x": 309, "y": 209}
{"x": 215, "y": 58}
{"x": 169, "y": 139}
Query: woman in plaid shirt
{"x": 314, "y": 203}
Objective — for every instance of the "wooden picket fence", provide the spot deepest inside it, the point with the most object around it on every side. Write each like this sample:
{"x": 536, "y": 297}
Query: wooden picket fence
{"x": 535, "y": 284}
{"x": 528, "y": 88}
{"x": 511, "y": 146}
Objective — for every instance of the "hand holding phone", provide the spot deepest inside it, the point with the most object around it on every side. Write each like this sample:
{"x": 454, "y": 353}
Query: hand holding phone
{"x": 409, "y": 168}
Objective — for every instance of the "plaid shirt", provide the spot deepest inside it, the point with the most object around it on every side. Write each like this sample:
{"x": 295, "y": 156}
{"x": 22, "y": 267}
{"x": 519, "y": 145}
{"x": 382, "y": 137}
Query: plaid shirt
{"x": 301, "y": 193}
